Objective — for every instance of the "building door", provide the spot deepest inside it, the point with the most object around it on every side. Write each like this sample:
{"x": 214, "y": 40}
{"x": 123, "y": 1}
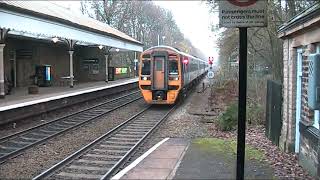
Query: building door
{"x": 158, "y": 72}
{"x": 298, "y": 98}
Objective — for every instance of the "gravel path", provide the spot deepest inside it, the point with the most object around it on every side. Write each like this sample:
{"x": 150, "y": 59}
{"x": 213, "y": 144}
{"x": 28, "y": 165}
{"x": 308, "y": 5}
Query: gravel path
{"x": 35, "y": 160}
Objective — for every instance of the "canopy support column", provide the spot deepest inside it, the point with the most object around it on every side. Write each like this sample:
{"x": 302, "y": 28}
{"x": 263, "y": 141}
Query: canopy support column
{"x": 71, "y": 43}
{"x": 107, "y": 75}
{"x": 106, "y": 55}
{"x": 71, "y": 68}
{"x": 3, "y": 34}
{"x": 2, "y": 90}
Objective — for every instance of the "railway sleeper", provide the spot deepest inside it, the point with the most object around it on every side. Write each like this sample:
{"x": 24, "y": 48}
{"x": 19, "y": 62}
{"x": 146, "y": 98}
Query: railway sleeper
{"x": 117, "y": 143}
{"x": 111, "y": 151}
{"x": 12, "y": 145}
{"x": 30, "y": 140}
{"x": 65, "y": 175}
{"x": 88, "y": 167}
{"x": 115, "y": 146}
{"x": 95, "y": 162}
{"x": 106, "y": 156}
{"x": 122, "y": 135}
{"x": 120, "y": 139}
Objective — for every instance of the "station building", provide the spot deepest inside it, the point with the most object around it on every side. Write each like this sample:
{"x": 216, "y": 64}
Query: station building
{"x": 44, "y": 44}
{"x": 300, "y": 126}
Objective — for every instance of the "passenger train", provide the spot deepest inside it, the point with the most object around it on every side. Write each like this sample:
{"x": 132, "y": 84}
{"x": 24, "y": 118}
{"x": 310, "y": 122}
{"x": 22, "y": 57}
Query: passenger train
{"x": 165, "y": 73}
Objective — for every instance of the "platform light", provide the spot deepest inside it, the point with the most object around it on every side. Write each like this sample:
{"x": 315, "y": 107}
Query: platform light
{"x": 55, "y": 39}
{"x": 100, "y": 46}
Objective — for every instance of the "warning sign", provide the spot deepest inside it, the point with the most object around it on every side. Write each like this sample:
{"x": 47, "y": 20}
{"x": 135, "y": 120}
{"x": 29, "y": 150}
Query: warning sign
{"x": 243, "y": 13}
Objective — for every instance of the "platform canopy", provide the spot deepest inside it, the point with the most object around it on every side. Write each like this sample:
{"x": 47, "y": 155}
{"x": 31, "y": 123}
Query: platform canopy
{"x": 46, "y": 20}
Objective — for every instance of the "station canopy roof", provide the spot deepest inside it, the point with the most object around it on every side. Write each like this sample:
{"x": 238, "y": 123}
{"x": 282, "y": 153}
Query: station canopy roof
{"x": 45, "y": 20}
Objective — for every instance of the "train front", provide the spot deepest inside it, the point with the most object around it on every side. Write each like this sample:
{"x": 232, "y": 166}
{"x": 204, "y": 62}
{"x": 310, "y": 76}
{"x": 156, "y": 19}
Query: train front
{"x": 160, "y": 75}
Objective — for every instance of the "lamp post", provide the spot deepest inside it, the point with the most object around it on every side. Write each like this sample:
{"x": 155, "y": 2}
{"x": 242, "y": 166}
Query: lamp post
{"x": 163, "y": 37}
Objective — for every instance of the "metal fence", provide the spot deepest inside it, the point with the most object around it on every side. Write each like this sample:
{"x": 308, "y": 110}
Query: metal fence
{"x": 273, "y": 111}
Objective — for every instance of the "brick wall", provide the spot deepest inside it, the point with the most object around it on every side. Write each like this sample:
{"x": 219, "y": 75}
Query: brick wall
{"x": 289, "y": 88}
{"x": 309, "y": 143}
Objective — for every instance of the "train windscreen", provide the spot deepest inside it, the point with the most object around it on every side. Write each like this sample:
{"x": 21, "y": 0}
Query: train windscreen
{"x": 146, "y": 66}
{"x": 173, "y": 67}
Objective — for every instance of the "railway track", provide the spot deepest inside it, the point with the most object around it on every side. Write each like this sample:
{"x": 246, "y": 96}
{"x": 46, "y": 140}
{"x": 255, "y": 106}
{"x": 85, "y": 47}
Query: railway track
{"x": 14, "y": 144}
{"x": 103, "y": 157}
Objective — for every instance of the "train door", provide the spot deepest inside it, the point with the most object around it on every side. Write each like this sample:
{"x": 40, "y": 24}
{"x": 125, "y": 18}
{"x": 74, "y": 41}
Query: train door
{"x": 159, "y": 72}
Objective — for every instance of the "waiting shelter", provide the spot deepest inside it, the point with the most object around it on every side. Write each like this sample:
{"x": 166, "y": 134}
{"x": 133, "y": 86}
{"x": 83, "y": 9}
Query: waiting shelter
{"x": 41, "y": 41}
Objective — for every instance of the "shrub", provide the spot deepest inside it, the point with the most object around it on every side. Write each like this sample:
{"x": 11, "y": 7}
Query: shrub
{"x": 255, "y": 113}
{"x": 227, "y": 121}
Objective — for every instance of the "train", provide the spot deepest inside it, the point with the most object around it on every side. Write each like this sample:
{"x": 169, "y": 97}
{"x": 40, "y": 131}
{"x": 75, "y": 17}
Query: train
{"x": 166, "y": 73}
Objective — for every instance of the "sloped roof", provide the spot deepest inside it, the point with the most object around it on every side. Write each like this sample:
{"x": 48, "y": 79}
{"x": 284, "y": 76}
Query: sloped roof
{"x": 302, "y": 17}
{"x": 54, "y": 12}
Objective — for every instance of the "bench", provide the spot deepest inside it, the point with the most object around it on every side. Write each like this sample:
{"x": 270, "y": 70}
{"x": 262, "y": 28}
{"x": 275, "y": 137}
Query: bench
{"x": 66, "y": 80}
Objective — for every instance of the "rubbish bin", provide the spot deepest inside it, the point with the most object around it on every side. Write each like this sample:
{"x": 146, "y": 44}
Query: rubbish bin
{"x": 43, "y": 75}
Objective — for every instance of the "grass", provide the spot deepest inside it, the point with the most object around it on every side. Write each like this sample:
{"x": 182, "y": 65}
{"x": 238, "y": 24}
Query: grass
{"x": 228, "y": 148}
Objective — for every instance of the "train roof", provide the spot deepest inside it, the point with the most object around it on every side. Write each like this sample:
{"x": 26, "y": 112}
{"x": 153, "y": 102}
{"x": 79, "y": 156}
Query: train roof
{"x": 176, "y": 50}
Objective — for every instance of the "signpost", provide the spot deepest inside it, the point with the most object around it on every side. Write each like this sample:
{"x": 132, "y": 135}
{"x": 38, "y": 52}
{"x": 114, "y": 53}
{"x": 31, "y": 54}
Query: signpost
{"x": 242, "y": 14}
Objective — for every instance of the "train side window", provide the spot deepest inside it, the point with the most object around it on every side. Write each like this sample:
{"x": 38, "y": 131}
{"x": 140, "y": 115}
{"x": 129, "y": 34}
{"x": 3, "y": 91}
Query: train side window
{"x": 146, "y": 66}
{"x": 173, "y": 67}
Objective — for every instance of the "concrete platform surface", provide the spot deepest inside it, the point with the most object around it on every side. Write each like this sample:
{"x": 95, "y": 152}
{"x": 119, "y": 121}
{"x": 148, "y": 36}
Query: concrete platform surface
{"x": 159, "y": 162}
{"x": 188, "y": 159}
{"x": 20, "y": 105}
{"x": 20, "y": 97}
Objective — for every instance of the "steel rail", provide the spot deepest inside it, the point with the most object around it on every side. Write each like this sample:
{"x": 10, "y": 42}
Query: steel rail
{"x": 136, "y": 119}
{"x": 63, "y": 117}
{"x": 7, "y": 139}
{"x": 85, "y": 148}
{"x": 127, "y": 155}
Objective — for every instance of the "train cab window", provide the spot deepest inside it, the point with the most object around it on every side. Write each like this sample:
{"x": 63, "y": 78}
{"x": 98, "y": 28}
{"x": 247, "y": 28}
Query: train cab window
{"x": 173, "y": 67}
{"x": 158, "y": 63}
{"x": 146, "y": 66}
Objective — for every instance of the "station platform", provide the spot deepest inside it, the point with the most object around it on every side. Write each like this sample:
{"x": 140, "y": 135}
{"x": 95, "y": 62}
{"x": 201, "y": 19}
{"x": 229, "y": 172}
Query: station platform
{"x": 177, "y": 158}
{"x": 19, "y": 104}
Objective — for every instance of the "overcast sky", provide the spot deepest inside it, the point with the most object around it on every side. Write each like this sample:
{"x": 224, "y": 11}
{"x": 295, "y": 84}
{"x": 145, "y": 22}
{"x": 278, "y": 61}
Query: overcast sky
{"x": 194, "y": 20}
{"x": 192, "y": 17}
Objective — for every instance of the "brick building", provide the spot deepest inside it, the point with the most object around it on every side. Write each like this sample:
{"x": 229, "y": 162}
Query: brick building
{"x": 300, "y": 127}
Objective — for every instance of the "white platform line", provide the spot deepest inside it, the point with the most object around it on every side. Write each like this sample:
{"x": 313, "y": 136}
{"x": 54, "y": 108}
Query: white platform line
{"x": 137, "y": 161}
{"x": 4, "y": 108}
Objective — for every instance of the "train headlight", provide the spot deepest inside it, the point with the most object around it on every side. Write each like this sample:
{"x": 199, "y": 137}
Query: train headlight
{"x": 173, "y": 78}
{"x": 144, "y": 78}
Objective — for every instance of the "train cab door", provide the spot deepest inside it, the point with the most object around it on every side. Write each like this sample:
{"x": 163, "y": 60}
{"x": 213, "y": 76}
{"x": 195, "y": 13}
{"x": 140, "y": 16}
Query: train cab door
{"x": 159, "y": 72}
